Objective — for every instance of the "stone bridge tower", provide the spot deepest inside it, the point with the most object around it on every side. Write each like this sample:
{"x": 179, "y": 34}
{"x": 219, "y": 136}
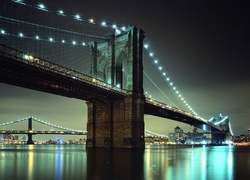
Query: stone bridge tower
{"x": 118, "y": 123}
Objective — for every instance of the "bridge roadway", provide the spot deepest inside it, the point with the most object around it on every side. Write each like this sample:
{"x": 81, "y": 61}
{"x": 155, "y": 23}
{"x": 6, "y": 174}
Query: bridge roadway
{"x": 24, "y": 70}
{"x": 33, "y": 132}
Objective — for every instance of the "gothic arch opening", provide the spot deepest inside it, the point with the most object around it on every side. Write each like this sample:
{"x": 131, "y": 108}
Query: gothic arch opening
{"x": 121, "y": 70}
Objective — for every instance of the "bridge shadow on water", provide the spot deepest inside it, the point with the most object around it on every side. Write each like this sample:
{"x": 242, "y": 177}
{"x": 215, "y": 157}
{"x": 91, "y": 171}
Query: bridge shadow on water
{"x": 115, "y": 164}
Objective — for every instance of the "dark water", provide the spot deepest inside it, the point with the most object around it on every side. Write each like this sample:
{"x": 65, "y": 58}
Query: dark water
{"x": 34, "y": 162}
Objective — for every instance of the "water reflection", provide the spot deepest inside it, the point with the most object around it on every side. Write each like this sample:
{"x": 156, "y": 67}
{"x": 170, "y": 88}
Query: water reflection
{"x": 42, "y": 162}
{"x": 155, "y": 162}
{"x": 189, "y": 163}
{"x": 30, "y": 166}
{"x": 115, "y": 164}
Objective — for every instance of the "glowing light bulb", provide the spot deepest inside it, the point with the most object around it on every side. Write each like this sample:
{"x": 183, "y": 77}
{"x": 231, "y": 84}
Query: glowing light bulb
{"x": 77, "y": 17}
{"x": 103, "y": 23}
{"x": 61, "y": 12}
{"x": 146, "y": 46}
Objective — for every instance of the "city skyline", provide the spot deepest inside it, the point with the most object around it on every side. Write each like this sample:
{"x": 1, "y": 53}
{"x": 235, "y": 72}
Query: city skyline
{"x": 204, "y": 47}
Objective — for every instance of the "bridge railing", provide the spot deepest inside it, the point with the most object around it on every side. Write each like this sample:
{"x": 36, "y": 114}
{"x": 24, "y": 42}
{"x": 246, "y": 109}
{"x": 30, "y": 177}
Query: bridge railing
{"x": 52, "y": 67}
{"x": 172, "y": 108}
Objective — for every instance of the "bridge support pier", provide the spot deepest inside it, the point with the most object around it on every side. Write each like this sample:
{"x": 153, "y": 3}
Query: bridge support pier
{"x": 30, "y": 141}
{"x": 118, "y": 124}
{"x": 219, "y": 138}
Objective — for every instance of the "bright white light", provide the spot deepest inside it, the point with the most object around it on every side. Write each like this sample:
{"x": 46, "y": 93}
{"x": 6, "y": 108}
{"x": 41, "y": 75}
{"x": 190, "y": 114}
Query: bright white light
{"x": 156, "y": 61}
{"x": 117, "y": 31}
{"x": 123, "y": 28}
{"x": 26, "y": 56}
{"x": 91, "y": 21}
{"x": 63, "y": 41}
{"x": 74, "y": 42}
{"x": 51, "y": 39}
{"x": 2, "y": 31}
{"x": 146, "y": 46}
{"x": 18, "y": 1}
{"x": 151, "y": 54}
{"x": 160, "y": 68}
{"x": 114, "y": 26}
{"x": 84, "y": 44}
{"x": 41, "y": 6}
{"x": 118, "y": 85}
{"x": 103, "y": 23}
{"x": 21, "y": 34}
{"x": 78, "y": 17}
{"x": 168, "y": 78}
{"x": 171, "y": 84}
{"x": 60, "y": 12}
{"x": 164, "y": 74}
{"x": 37, "y": 37}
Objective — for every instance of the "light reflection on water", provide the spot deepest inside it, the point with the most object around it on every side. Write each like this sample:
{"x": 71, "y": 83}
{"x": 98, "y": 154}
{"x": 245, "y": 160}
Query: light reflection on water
{"x": 28, "y": 162}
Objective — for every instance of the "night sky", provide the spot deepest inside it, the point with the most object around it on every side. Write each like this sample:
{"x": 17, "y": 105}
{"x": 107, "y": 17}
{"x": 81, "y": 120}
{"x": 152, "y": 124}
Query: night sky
{"x": 203, "y": 45}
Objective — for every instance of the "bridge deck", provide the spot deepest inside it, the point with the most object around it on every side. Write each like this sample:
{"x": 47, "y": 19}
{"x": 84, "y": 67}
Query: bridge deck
{"x": 37, "y": 74}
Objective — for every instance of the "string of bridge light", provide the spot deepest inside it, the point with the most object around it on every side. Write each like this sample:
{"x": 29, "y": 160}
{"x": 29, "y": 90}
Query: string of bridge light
{"x": 167, "y": 78}
{"x": 155, "y": 134}
{"x": 37, "y": 37}
{"x": 12, "y": 122}
{"x": 54, "y": 126}
{"x": 39, "y": 121}
{"x": 41, "y": 6}
{"x": 51, "y": 39}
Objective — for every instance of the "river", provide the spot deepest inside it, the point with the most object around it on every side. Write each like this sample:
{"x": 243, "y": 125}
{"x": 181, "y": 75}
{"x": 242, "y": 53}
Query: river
{"x": 155, "y": 162}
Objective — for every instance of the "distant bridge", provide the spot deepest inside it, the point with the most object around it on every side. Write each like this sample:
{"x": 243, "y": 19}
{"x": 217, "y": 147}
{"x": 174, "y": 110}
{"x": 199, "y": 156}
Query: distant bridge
{"x": 7, "y": 128}
{"x": 34, "y": 132}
